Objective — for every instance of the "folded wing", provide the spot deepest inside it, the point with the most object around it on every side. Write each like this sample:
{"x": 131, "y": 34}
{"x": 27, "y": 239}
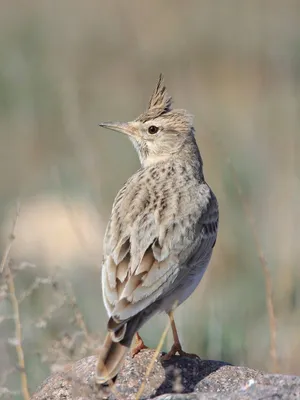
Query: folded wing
{"x": 143, "y": 260}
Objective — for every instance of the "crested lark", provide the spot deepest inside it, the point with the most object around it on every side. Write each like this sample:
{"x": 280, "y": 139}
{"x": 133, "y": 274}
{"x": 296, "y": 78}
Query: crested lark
{"x": 162, "y": 229}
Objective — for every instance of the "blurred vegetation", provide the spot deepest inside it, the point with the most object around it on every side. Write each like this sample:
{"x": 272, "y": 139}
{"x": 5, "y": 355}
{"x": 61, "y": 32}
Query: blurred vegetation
{"x": 65, "y": 67}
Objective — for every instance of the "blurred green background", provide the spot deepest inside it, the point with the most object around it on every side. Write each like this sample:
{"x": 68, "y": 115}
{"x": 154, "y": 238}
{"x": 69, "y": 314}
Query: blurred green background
{"x": 68, "y": 65}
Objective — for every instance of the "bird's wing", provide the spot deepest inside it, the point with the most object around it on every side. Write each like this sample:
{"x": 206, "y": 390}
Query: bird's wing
{"x": 145, "y": 249}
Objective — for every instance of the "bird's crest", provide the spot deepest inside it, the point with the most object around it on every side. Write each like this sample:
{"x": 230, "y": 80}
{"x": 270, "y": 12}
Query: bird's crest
{"x": 160, "y": 102}
{"x": 160, "y": 97}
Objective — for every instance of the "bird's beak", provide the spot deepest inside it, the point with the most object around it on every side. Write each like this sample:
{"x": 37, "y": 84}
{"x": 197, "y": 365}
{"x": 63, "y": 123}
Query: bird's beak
{"x": 128, "y": 128}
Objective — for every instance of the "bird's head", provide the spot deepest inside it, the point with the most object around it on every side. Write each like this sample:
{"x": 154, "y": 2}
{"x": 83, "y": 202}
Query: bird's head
{"x": 160, "y": 132}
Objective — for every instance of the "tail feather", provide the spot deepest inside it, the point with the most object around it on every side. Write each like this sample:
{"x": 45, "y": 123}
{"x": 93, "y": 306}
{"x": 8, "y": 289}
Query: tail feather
{"x": 110, "y": 360}
{"x": 117, "y": 328}
{"x": 118, "y": 336}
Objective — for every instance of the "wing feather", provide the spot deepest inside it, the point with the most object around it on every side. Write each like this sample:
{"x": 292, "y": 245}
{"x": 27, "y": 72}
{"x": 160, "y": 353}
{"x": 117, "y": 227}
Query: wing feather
{"x": 142, "y": 260}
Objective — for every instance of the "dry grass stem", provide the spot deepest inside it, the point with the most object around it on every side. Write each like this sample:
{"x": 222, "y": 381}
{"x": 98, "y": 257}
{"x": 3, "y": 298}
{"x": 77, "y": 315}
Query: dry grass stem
{"x": 266, "y": 271}
{"x": 78, "y": 314}
{"x": 265, "y": 268}
{"x": 11, "y": 239}
{"x": 18, "y": 335}
{"x": 15, "y": 305}
{"x": 150, "y": 366}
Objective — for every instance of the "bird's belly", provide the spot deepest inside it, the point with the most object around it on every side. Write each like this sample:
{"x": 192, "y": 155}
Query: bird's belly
{"x": 184, "y": 289}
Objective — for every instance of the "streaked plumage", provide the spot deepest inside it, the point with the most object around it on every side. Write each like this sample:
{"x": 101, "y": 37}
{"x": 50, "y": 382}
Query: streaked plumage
{"x": 162, "y": 229}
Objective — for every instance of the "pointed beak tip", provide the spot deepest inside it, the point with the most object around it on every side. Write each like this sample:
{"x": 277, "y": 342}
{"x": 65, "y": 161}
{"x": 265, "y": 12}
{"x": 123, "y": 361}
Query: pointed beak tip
{"x": 106, "y": 125}
{"x": 118, "y": 126}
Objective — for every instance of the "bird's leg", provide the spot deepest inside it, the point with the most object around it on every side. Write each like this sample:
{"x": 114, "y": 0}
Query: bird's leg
{"x": 176, "y": 348}
{"x": 139, "y": 345}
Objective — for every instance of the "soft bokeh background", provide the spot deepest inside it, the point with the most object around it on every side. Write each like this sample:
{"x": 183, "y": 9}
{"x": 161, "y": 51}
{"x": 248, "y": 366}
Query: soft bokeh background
{"x": 68, "y": 65}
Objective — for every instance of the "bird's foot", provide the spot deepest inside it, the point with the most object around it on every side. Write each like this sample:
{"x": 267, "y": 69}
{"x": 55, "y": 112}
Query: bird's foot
{"x": 140, "y": 345}
{"x": 176, "y": 348}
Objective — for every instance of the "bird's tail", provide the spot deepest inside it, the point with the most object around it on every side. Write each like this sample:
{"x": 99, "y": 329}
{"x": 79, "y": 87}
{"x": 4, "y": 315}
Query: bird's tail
{"x": 110, "y": 360}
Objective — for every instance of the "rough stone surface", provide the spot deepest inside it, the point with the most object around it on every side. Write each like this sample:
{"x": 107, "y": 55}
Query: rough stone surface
{"x": 177, "y": 379}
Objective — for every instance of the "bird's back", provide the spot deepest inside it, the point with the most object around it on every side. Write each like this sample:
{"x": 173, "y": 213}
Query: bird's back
{"x": 159, "y": 206}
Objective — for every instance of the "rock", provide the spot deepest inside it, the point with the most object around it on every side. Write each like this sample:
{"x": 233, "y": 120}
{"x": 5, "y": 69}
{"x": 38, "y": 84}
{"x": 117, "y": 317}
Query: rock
{"x": 178, "y": 379}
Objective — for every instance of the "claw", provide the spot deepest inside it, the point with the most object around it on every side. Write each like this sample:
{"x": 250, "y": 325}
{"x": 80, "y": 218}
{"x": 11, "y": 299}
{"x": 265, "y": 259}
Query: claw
{"x": 176, "y": 348}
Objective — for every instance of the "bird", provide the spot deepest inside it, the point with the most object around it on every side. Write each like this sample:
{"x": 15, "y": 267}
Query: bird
{"x": 161, "y": 232}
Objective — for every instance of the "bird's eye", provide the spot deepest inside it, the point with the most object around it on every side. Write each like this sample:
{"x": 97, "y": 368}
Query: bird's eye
{"x": 153, "y": 129}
